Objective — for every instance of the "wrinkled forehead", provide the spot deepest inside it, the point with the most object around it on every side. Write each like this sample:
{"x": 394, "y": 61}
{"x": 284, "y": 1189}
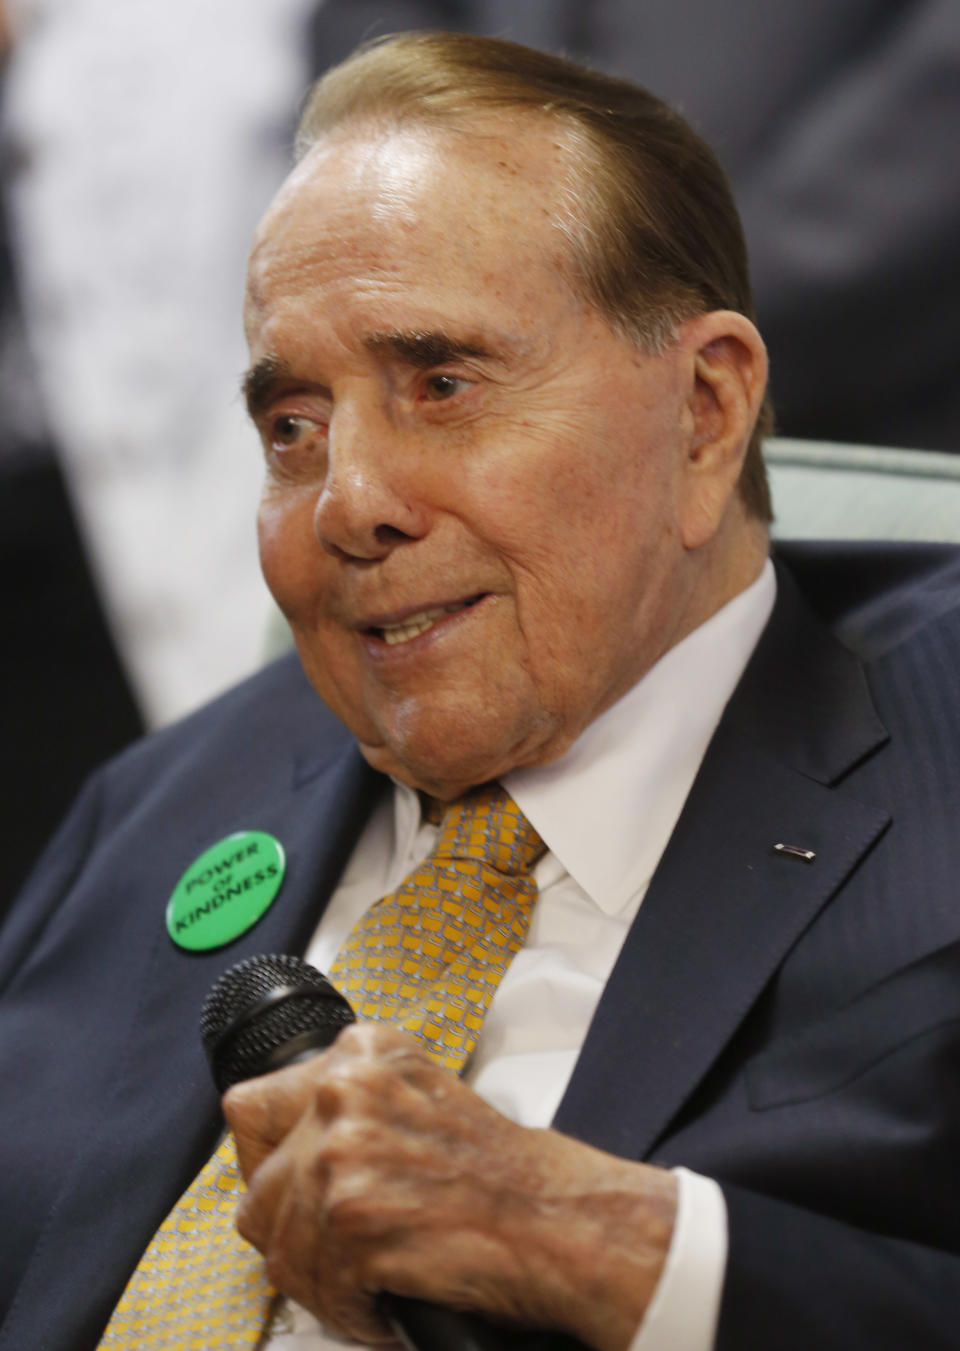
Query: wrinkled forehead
{"x": 502, "y": 176}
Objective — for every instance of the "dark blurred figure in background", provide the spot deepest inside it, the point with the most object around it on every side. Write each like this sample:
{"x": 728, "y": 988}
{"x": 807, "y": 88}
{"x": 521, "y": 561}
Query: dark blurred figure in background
{"x": 66, "y": 702}
{"x": 837, "y": 122}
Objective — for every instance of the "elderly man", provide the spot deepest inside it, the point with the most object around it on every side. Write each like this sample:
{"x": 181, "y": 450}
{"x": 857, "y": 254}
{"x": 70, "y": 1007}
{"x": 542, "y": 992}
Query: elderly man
{"x": 663, "y": 836}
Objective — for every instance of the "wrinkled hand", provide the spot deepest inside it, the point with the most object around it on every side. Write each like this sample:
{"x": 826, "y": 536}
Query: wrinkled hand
{"x": 372, "y": 1168}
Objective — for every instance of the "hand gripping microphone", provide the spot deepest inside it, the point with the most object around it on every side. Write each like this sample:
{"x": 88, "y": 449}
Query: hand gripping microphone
{"x": 271, "y": 1011}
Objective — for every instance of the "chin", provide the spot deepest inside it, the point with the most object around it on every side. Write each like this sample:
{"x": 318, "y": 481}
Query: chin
{"x": 446, "y": 763}
{"x": 440, "y": 777}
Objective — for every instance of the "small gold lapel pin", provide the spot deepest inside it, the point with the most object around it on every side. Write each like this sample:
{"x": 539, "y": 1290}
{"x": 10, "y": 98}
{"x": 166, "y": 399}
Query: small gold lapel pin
{"x": 794, "y": 851}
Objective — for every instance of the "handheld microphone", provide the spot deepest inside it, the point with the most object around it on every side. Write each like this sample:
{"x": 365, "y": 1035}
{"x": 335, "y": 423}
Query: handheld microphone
{"x": 270, "y": 1011}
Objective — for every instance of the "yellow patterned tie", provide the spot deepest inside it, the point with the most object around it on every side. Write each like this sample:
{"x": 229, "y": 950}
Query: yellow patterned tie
{"x": 427, "y": 957}
{"x": 198, "y": 1286}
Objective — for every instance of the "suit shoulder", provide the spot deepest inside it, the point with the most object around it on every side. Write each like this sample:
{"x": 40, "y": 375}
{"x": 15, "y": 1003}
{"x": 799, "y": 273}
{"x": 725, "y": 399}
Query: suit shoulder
{"x": 877, "y": 595}
{"x": 274, "y": 713}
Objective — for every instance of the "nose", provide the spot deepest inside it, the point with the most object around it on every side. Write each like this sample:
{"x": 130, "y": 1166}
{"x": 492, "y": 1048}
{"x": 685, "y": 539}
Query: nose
{"x": 369, "y": 503}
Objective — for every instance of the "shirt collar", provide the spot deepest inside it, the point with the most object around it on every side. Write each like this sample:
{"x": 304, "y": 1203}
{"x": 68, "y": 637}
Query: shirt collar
{"x": 607, "y": 808}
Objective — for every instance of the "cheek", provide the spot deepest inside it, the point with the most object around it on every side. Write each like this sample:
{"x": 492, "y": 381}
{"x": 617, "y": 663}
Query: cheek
{"x": 289, "y": 551}
{"x": 596, "y": 568}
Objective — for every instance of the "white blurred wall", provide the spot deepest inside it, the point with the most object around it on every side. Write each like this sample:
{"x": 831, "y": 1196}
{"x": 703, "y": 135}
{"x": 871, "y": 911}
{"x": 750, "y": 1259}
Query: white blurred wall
{"x": 150, "y": 136}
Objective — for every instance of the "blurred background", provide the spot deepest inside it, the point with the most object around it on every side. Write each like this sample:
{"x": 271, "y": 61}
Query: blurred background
{"x": 139, "y": 143}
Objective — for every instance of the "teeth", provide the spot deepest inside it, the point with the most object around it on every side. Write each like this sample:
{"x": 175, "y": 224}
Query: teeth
{"x": 416, "y": 624}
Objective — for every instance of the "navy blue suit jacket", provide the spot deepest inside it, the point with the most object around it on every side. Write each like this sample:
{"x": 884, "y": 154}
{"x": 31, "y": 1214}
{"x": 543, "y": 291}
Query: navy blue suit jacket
{"x": 789, "y": 1028}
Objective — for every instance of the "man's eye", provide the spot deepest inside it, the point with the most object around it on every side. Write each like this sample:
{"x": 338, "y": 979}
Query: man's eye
{"x": 440, "y": 387}
{"x": 287, "y": 430}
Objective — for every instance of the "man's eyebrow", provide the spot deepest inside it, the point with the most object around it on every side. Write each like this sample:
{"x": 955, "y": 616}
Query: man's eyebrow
{"x": 261, "y": 381}
{"x": 424, "y": 349}
{"x": 418, "y": 348}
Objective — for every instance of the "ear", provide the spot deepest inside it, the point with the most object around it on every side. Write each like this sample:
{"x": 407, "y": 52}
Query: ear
{"x": 726, "y": 374}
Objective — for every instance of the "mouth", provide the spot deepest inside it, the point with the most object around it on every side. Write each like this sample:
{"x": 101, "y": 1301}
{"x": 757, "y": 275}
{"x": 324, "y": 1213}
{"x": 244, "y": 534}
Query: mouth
{"x": 421, "y": 621}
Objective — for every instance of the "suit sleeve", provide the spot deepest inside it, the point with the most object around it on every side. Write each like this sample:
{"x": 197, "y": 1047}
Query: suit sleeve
{"x": 796, "y": 1280}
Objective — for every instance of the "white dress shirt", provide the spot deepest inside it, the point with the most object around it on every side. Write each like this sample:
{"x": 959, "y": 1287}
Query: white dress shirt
{"x": 605, "y": 812}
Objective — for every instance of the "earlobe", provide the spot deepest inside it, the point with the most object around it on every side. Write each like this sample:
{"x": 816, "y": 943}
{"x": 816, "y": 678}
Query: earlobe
{"x": 728, "y": 377}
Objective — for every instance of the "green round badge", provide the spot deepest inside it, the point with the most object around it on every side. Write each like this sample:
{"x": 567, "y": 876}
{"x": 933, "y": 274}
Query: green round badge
{"x": 225, "y": 891}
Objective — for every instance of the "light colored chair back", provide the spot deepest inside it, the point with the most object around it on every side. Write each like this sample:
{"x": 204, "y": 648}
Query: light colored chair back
{"x": 824, "y": 490}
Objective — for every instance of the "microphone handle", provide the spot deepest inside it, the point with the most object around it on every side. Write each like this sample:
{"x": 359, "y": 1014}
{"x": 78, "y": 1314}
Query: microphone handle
{"x": 430, "y": 1327}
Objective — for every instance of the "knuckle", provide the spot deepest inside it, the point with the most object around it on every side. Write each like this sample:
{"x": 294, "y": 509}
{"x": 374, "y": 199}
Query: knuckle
{"x": 350, "y": 1214}
{"x": 341, "y": 1172}
{"x": 278, "y": 1269}
{"x": 249, "y": 1221}
{"x": 351, "y": 1137}
{"x": 354, "y": 1038}
{"x": 368, "y": 1038}
{"x": 349, "y": 1085}
{"x": 327, "y": 1097}
{"x": 236, "y": 1103}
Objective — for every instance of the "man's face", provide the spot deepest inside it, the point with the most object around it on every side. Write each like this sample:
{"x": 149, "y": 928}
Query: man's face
{"x": 474, "y": 487}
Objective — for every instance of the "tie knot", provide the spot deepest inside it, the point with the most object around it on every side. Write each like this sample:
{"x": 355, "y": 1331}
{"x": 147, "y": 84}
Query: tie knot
{"x": 487, "y": 825}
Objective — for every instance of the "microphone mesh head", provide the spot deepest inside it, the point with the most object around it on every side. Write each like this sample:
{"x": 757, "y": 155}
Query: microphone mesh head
{"x": 241, "y": 1041}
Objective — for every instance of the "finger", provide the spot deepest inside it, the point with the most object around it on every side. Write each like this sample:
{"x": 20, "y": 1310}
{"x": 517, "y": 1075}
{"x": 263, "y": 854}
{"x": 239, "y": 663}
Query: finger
{"x": 261, "y": 1112}
{"x": 378, "y": 1056}
{"x": 367, "y": 1041}
{"x": 311, "y": 1258}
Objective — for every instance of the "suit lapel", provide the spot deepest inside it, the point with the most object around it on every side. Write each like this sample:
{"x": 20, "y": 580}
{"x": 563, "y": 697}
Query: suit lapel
{"x": 724, "y": 908}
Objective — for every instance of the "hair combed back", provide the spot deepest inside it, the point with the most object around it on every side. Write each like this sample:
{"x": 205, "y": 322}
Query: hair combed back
{"x": 653, "y": 229}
